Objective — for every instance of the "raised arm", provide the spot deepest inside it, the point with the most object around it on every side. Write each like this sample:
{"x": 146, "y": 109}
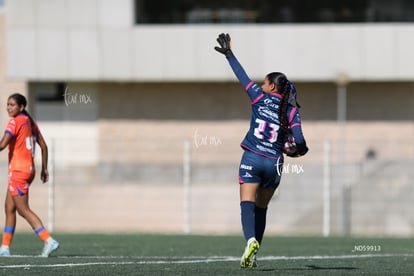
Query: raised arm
{"x": 224, "y": 41}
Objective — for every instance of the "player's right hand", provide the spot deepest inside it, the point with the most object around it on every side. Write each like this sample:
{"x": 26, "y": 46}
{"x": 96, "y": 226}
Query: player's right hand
{"x": 44, "y": 175}
{"x": 225, "y": 45}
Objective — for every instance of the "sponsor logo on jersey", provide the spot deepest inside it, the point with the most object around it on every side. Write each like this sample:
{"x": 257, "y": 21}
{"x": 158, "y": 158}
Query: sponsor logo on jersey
{"x": 264, "y": 149}
{"x": 266, "y": 112}
{"x": 247, "y": 174}
{"x": 270, "y": 103}
{"x": 266, "y": 144}
{"x": 246, "y": 167}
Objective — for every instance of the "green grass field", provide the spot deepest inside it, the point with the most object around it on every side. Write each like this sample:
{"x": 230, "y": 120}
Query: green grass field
{"x": 136, "y": 254}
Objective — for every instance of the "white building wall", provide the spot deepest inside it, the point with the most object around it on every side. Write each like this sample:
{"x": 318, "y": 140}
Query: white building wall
{"x": 97, "y": 40}
{"x": 70, "y": 127}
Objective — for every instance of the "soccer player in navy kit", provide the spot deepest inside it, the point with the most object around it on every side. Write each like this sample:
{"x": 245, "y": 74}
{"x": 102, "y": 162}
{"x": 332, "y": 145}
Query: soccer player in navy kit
{"x": 273, "y": 116}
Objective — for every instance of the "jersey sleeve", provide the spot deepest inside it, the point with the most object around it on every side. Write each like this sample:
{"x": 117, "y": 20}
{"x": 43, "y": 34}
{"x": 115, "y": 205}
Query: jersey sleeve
{"x": 253, "y": 90}
{"x": 11, "y": 128}
{"x": 296, "y": 125}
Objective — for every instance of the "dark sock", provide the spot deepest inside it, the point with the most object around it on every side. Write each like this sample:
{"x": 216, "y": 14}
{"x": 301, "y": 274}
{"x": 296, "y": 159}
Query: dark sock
{"x": 260, "y": 223}
{"x": 247, "y": 219}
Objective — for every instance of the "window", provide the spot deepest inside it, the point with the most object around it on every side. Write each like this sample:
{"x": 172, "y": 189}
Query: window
{"x": 49, "y": 92}
{"x": 269, "y": 11}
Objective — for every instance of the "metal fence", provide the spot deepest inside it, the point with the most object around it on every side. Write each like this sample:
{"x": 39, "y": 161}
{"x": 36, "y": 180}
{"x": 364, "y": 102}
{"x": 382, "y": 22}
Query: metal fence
{"x": 190, "y": 186}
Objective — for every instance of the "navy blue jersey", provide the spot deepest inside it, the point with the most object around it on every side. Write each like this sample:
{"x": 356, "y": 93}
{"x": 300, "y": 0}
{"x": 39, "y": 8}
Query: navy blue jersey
{"x": 265, "y": 136}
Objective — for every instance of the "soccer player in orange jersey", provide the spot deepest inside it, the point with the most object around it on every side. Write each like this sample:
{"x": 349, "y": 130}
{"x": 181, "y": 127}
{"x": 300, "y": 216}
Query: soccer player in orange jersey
{"x": 21, "y": 136}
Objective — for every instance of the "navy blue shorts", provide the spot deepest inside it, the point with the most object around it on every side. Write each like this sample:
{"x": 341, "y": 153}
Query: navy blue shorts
{"x": 255, "y": 168}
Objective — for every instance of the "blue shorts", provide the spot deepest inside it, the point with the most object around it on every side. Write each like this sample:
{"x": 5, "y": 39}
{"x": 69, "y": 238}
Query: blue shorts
{"x": 255, "y": 168}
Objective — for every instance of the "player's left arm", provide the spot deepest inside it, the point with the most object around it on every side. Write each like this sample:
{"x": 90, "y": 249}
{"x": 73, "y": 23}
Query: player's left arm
{"x": 44, "y": 175}
{"x": 296, "y": 127}
{"x": 252, "y": 89}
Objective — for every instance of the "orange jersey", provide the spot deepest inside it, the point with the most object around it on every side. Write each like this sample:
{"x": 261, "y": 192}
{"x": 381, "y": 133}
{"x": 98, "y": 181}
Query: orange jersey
{"x": 22, "y": 144}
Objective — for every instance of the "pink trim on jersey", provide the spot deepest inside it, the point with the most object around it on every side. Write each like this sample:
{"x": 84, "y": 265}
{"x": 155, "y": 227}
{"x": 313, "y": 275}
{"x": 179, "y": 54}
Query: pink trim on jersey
{"x": 258, "y": 98}
{"x": 277, "y": 95}
{"x": 240, "y": 180}
{"x": 249, "y": 85}
{"x": 292, "y": 113}
{"x": 294, "y": 125}
{"x": 260, "y": 153}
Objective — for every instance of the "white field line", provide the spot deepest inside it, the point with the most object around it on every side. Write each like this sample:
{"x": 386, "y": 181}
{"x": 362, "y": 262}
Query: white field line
{"x": 188, "y": 260}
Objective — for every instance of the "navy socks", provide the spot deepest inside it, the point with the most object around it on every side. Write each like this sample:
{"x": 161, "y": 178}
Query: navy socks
{"x": 247, "y": 219}
{"x": 260, "y": 223}
{"x": 253, "y": 220}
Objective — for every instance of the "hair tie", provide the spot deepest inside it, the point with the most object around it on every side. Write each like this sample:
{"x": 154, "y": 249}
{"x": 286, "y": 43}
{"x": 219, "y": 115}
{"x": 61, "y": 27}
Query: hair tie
{"x": 294, "y": 94}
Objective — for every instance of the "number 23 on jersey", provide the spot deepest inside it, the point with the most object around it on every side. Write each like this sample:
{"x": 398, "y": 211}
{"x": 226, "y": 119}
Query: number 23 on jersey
{"x": 263, "y": 127}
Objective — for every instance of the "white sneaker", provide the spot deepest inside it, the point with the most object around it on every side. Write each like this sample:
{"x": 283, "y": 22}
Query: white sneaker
{"x": 50, "y": 246}
{"x": 4, "y": 251}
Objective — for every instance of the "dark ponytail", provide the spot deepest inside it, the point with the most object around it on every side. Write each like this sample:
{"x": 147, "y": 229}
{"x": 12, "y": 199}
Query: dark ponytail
{"x": 21, "y": 100}
{"x": 284, "y": 88}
